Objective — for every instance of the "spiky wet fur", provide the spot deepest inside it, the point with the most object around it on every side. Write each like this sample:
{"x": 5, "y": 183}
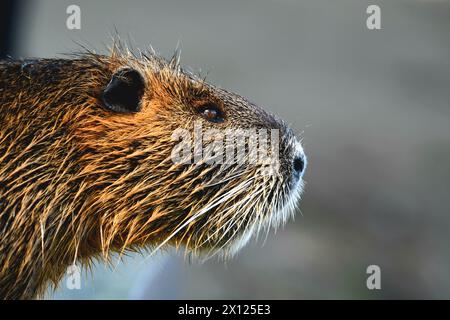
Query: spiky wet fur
{"x": 78, "y": 181}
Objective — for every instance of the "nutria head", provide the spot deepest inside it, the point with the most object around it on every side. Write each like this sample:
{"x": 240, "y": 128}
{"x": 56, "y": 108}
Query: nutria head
{"x": 109, "y": 153}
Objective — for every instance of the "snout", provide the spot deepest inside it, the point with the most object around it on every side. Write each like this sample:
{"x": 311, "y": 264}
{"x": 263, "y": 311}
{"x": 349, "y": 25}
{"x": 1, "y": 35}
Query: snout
{"x": 299, "y": 161}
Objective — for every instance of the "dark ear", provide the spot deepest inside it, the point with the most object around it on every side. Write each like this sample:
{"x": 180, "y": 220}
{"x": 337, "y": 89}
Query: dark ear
{"x": 124, "y": 92}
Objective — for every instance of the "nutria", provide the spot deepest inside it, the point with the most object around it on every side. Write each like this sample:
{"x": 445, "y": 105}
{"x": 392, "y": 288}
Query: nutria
{"x": 86, "y": 146}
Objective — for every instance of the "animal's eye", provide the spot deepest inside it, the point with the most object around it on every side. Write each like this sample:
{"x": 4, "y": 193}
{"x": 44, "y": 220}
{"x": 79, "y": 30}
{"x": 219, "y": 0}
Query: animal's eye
{"x": 211, "y": 112}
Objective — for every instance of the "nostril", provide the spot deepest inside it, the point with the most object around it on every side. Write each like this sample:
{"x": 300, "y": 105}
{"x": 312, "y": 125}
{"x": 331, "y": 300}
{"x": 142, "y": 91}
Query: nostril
{"x": 299, "y": 164}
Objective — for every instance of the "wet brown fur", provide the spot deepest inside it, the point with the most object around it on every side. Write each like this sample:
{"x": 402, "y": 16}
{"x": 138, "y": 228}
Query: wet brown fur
{"x": 78, "y": 181}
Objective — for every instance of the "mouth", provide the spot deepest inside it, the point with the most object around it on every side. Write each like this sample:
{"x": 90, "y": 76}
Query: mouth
{"x": 283, "y": 207}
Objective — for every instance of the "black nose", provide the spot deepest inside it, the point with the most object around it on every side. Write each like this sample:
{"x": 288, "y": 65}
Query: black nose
{"x": 299, "y": 164}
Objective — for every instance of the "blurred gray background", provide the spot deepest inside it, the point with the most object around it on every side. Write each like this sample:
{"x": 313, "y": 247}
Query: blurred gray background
{"x": 373, "y": 108}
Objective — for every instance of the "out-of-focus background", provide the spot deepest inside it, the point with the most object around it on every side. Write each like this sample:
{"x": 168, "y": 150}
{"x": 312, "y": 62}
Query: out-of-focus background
{"x": 372, "y": 106}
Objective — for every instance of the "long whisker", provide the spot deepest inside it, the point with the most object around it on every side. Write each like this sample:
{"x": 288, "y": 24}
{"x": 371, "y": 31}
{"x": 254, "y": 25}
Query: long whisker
{"x": 194, "y": 217}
